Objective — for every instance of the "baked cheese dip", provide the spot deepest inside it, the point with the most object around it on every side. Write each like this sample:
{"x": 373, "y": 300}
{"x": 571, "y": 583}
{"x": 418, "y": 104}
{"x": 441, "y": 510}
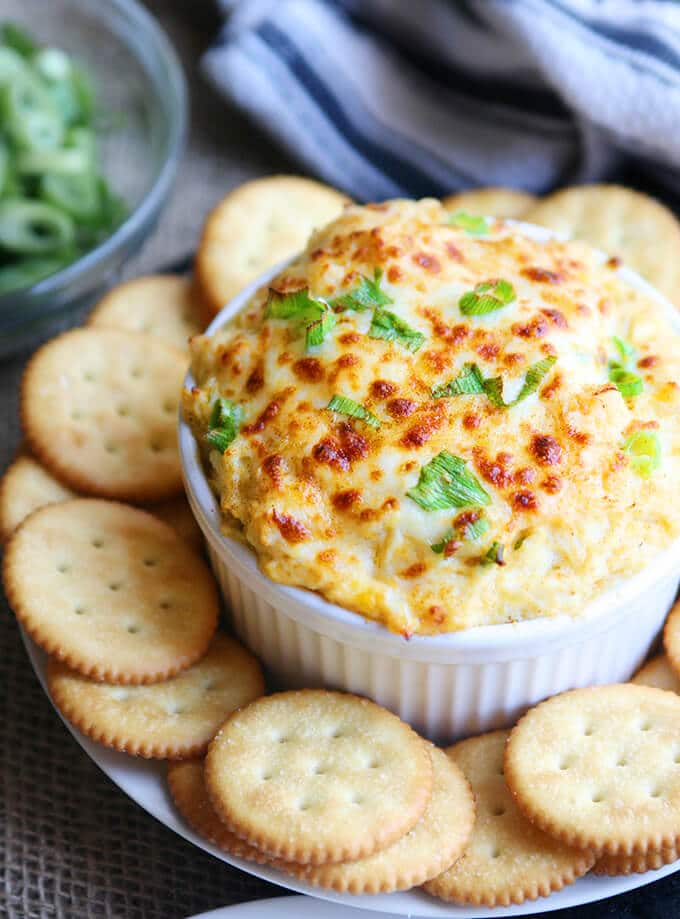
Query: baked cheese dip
{"x": 439, "y": 422}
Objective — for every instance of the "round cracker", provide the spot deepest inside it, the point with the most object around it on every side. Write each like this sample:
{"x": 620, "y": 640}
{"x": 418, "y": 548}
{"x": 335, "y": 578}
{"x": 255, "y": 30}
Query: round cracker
{"x": 508, "y": 860}
{"x": 157, "y": 304}
{"x": 491, "y": 202}
{"x": 599, "y": 768}
{"x": 615, "y": 865}
{"x": 434, "y": 843}
{"x": 110, "y": 590}
{"x": 170, "y": 720}
{"x": 658, "y": 672}
{"x": 315, "y": 776}
{"x": 256, "y": 226}
{"x": 624, "y": 223}
{"x": 99, "y": 410}
{"x": 26, "y": 486}
{"x": 187, "y": 786}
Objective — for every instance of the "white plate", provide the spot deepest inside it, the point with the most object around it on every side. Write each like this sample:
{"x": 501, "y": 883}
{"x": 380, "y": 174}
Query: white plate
{"x": 144, "y": 782}
{"x": 285, "y": 908}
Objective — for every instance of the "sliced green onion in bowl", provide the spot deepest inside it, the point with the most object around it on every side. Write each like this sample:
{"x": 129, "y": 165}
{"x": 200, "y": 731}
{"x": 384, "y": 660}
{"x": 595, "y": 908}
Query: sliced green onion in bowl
{"x": 55, "y": 204}
{"x": 34, "y": 228}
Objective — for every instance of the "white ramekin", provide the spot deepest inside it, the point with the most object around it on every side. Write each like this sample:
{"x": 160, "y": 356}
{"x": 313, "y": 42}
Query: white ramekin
{"x": 448, "y": 685}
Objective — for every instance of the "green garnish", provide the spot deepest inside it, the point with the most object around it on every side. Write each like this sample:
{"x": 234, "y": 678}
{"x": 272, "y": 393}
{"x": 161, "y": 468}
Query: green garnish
{"x": 304, "y": 309}
{"x": 487, "y": 297}
{"x": 521, "y": 539}
{"x": 224, "y": 424}
{"x": 644, "y": 449}
{"x": 473, "y": 226}
{"x": 477, "y": 528}
{"x": 470, "y": 381}
{"x": 626, "y": 351}
{"x": 532, "y": 380}
{"x": 494, "y": 555}
{"x": 471, "y": 531}
{"x": 317, "y": 331}
{"x": 445, "y": 482}
{"x": 390, "y": 327}
{"x": 366, "y": 296}
{"x": 296, "y": 305}
{"x": 629, "y": 384}
{"x": 347, "y": 406}
{"x": 55, "y": 205}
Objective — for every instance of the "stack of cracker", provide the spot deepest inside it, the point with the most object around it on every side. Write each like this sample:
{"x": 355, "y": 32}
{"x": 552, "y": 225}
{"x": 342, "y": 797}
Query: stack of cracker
{"x": 330, "y": 788}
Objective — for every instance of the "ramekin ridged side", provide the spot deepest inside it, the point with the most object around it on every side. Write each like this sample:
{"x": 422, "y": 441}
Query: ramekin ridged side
{"x": 450, "y": 685}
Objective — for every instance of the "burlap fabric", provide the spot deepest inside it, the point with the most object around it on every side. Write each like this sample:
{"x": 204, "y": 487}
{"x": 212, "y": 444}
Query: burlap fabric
{"x": 71, "y": 844}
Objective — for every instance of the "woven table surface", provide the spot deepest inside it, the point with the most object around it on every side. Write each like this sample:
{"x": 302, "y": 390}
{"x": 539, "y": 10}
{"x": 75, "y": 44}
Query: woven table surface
{"x": 71, "y": 844}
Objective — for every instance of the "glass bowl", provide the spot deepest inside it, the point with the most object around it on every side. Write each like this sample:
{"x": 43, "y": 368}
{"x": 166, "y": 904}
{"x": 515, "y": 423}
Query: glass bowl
{"x": 137, "y": 77}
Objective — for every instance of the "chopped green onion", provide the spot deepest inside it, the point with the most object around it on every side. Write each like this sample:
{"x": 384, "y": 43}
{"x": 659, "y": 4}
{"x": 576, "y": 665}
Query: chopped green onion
{"x": 533, "y": 378}
{"x": 477, "y": 528}
{"x": 470, "y": 531}
{"x": 28, "y": 271}
{"x": 347, "y": 406}
{"x": 297, "y": 305}
{"x": 63, "y": 162}
{"x": 77, "y": 195}
{"x": 366, "y": 296}
{"x": 487, "y": 297}
{"x": 644, "y": 449}
{"x": 224, "y": 424}
{"x": 34, "y": 228}
{"x": 494, "y": 556}
{"x": 629, "y": 384}
{"x": 473, "y": 226}
{"x": 521, "y": 539}
{"x": 14, "y": 37}
{"x": 389, "y": 327}
{"x": 317, "y": 331}
{"x": 54, "y": 203}
{"x": 445, "y": 482}
{"x": 468, "y": 382}
{"x": 441, "y": 544}
{"x": 626, "y": 351}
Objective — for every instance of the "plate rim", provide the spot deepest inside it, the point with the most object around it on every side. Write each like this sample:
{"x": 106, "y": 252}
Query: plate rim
{"x": 406, "y": 903}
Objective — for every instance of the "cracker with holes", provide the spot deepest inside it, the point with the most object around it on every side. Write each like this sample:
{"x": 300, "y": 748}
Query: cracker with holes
{"x": 170, "y": 720}
{"x": 315, "y": 776}
{"x": 624, "y": 223}
{"x": 508, "y": 860}
{"x": 615, "y": 865}
{"x": 187, "y": 786}
{"x": 599, "y": 768}
{"x": 99, "y": 410}
{"x": 110, "y": 590}
{"x": 658, "y": 672}
{"x": 255, "y": 227}
{"x": 158, "y": 304}
{"x": 26, "y": 486}
{"x": 491, "y": 202}
{"x": 434, "y": 843}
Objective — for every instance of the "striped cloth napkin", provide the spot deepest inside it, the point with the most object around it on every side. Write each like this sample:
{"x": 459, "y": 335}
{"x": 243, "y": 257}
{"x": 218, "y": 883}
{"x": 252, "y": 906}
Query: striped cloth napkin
{"x": 422, "y": 97}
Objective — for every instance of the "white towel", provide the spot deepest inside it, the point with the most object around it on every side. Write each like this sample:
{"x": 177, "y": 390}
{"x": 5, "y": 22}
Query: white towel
{"x": 423, "y": 97}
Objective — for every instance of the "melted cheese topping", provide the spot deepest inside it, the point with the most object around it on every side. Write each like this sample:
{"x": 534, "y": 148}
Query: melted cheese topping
{"x": 322, "y": 497}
